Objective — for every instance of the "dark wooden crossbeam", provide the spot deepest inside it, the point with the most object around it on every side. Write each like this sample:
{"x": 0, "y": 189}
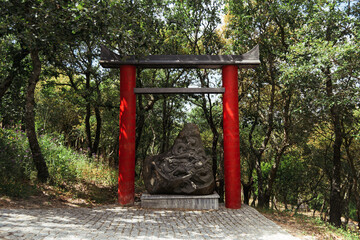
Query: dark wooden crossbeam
{"x": 109, "y": 59}
{"x": 179, "y": 90}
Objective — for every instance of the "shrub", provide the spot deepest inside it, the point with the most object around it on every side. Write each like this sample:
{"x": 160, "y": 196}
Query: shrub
{"x": 66, "y": 166}
{"x": 16, "y": 167}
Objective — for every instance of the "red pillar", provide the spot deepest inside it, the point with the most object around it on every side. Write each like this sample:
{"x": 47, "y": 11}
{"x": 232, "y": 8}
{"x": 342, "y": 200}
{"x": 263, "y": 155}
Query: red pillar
{"x": 127, "y": 123}
{"x": 231, "y": 137}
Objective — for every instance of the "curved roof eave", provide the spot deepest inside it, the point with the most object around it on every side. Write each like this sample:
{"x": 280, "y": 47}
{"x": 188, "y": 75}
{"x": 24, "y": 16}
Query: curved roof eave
{"x": 109, "y": 59}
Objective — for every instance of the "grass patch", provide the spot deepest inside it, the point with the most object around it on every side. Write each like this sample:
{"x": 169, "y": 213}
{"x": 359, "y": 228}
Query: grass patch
{"x": 72, "y": 174}
{"x": 301, "y": 225}
{"x": 66, "y": 165}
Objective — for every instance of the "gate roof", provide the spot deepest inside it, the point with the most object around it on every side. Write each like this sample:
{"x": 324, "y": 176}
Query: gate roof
{"x": 109, "y": 59}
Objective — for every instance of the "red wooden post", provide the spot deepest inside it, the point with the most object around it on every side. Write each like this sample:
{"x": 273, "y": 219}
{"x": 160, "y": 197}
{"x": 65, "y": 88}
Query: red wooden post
{"x": 231, "y": 137}
{"x": 127, "y": 124}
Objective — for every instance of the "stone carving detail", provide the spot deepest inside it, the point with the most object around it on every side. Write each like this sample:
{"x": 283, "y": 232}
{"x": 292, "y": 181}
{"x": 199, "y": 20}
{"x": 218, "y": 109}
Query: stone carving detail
{"x": 184, "y": 169}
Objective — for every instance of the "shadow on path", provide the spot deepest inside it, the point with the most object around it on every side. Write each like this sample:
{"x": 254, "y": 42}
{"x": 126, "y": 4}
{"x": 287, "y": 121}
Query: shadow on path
{"x": 137, "y": 223}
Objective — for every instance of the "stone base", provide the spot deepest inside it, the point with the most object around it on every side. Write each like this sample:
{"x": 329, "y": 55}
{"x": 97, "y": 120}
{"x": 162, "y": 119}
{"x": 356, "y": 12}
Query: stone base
{"x": 186, "y": 202}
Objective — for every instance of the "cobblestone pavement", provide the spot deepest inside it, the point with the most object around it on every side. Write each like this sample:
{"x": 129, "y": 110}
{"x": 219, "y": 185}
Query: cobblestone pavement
{"x": 136, "y": 223}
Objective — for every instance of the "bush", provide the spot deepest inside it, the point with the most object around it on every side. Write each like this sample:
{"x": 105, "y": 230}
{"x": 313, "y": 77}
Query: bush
{"x": 66, "y": 166}
{"x": 16, "y": 167}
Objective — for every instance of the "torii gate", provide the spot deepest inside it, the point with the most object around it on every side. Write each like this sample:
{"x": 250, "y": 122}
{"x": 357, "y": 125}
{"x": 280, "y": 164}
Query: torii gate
{"x": 127, "y": 119}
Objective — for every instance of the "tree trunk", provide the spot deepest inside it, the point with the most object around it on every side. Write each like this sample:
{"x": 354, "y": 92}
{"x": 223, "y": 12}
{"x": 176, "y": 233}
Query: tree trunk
{"x": 208, "y": 113}
{"x": 167, "y": 123}
{"x": 358, "y": 212}
{"x": 88, "y": 128}
{"x": 272, "y": 178}
{"x": 254, "y": 199}
{"x": 266, "y": 200}
{"x": 210, "y": 120}
{"x": 263, "y": 200}
{"x": 261, "y": 192}
{"x": 214, "y": 152}
{"x": 98, "y": 121}
{"x": 88, "y": 114}
{"x": 335, "y": 195}
{"x": 164, "y": 144}
{"x": 284, "y": 145}
{"x": 140, "y": 117}
{"x": 221, "y": 187}
{"x": 322, "y": 210}
{"x": 347, "y": 198}
{"x": 247, "y": 187}
{"x": 354, "y": 175}
{"x": 39, "y": 161}
{"x": 140, "y": 121}
{"x": 98, "y": 131}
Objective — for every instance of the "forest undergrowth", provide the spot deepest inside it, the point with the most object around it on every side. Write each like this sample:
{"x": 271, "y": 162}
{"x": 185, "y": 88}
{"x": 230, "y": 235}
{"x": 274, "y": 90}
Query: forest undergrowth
{"x": 305, "y": 223}
{"x": 74, "y": 176}
{"x": 77, "y": 180}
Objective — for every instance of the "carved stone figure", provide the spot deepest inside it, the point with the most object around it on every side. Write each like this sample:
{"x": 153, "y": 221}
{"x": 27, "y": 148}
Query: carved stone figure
{"x": 184, "y": 169}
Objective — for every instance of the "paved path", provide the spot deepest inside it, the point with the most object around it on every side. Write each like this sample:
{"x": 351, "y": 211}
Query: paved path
{"x": 136, "y": 223}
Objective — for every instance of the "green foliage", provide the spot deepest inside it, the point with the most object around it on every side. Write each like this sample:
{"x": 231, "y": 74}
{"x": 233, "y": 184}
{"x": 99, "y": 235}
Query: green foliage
{"x": 197, "y": 116}
{"x": 14, "y": 68}
{"x": 66, "y": 166}
{"x": 58, "y": 111}
{"x": 303, "y": 96}
{"x": 312, "y": 225}
{"x": 294, "y": 180}
{"x": 346, "y": 234}
{"x": 16, "y": 167}
{"x": 287, "y": 127}
{"x": 352, "y": 211}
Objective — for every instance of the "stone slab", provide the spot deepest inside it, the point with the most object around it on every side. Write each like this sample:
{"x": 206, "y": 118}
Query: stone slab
{"x": 188, "y": 202}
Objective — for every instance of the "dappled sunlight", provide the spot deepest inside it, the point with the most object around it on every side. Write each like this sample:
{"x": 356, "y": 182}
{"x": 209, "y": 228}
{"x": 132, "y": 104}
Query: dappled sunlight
{"x": 138, "y": 223}
{"x": 123, "y": 106}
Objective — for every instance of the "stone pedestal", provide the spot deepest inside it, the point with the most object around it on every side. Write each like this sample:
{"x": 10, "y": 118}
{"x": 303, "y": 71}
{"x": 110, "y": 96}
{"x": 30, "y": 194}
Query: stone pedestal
{"x": 185, "y": 202}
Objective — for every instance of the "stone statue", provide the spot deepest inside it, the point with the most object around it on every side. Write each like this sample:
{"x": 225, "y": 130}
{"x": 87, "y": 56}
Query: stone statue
{"x": 184, "y": 169}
